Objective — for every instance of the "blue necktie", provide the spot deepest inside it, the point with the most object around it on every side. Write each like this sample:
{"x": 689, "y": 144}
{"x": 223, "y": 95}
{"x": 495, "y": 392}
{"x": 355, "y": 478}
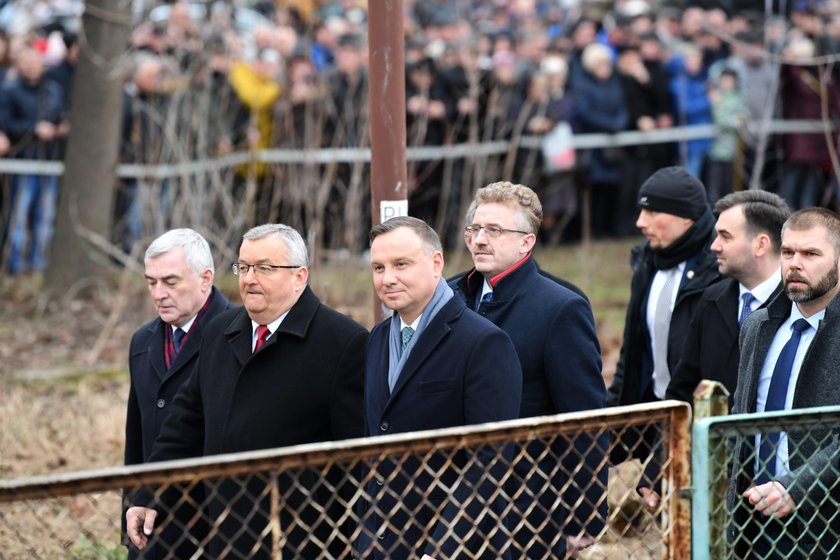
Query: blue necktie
{"x": 746, "y": 310}
{"x": 407, "y": 333}
{"x": 484, "y": 299}
{"x": 776, "y": 397}
{"x": 177, "y": 339}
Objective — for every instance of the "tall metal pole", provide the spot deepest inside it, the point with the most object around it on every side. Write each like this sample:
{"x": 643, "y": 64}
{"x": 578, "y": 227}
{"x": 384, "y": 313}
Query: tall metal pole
{"x": 388, "y": 171}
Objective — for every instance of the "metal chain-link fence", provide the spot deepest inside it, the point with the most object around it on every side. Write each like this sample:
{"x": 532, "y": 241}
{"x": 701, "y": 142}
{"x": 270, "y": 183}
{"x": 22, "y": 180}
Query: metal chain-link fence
{"x": 766, "y": 485}
{"x": 533, "y": 488}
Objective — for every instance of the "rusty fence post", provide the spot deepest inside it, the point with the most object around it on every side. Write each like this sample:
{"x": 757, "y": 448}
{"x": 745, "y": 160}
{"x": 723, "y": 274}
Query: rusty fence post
{"x": 679, "y": 545}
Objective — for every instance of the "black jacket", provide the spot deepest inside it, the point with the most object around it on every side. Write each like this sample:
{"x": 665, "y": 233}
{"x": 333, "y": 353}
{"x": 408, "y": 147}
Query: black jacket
{"x": 635, "y": 364}
{"x": 303, "y": 386}
{"x": 711, "y": 347}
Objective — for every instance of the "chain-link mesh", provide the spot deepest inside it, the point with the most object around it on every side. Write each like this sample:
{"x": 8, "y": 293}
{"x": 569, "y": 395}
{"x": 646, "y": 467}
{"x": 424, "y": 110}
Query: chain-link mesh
{"x": 771, "y": 485}
{"x": 520, "y": 489}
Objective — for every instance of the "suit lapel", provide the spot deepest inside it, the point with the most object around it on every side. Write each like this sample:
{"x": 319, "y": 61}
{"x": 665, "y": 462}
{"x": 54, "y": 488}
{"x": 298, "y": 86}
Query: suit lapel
{"x": 238, "y": 336}
{"x": 188, "y": 350}
{"x": 155, "y": 348}
{"x": 727, "y": 306}
{"x": 430, "y": 338}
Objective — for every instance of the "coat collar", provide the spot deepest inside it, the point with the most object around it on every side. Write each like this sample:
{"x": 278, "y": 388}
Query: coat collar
{"x": 296, "y": 324}
{"x": 471, "y": 283}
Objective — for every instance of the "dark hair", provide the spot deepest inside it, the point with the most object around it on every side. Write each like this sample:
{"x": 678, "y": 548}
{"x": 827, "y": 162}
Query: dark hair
{"x": 729, "y": 72}
{"x": 810, "y": 218}
{"x": 764, "y": 212}
{"x": 423, "y": 230}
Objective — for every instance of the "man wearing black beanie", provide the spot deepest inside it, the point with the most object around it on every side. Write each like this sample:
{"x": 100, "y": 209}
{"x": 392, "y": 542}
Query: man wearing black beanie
{"x": 671, "y": 269}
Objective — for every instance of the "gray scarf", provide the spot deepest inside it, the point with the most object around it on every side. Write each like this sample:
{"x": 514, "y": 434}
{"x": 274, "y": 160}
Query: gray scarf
{"x": 396, "y": 356}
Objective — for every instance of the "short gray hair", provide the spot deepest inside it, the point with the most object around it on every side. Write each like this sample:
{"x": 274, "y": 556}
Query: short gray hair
{"x": 298, "y": 255}
{"x": 196, "y": 249}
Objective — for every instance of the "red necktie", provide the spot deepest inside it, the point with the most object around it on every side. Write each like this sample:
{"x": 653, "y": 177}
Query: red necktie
{"x": 262, "y": 335}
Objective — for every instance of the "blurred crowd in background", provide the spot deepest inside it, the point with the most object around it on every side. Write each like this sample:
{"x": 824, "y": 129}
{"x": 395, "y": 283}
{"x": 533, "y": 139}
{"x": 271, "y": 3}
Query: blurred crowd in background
{"x": 205, "y": 79}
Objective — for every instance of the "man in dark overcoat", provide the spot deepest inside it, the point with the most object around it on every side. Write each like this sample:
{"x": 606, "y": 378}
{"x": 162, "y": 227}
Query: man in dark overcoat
{"x": 284, "y": 370}
{"x": 671, "y": 270}
{"x": 747, "y": 242}
{"x": 553, "y": 330}
{"x": 179, "y": 274}
{"x": 433, "y": 364}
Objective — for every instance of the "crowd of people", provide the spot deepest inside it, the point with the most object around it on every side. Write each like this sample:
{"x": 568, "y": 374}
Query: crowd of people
{"x": 210, "y": 78}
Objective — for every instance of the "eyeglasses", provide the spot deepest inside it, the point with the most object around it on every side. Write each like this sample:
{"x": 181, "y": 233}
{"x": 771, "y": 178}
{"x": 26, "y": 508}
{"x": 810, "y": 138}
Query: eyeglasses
{"x": 491, "y": 231}
{"x": 241, "y": 269}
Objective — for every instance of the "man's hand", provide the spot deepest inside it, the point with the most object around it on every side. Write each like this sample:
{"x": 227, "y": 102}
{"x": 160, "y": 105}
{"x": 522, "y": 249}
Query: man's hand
{"x": 140, "y": 521}
{"x": 771, "y": 498}
{"x": 650, "y": 497}
{"x": 45, "y": 130}
{"x": 576, "y": 543}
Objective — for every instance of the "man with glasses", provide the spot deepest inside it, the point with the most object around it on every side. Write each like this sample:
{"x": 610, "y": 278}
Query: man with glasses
{"x": 553, "y": 331}
{"x": 284, "y": 370}
{"x": 163, "y": 352}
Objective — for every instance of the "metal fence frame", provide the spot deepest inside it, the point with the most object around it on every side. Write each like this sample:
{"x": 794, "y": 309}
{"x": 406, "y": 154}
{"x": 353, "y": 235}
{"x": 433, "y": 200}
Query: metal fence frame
{"x": 414, "y": 153}
{"x": 673, "y": 415}
{"x": 709, "y": 469}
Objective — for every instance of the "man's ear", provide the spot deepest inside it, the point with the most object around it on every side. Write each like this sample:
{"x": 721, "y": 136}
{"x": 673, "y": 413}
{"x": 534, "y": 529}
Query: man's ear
{"x": 301, "y": 278}
{"x": 528, "y": 242}
{"x": 437, "y": 260}
{"x": 762, "y": 244}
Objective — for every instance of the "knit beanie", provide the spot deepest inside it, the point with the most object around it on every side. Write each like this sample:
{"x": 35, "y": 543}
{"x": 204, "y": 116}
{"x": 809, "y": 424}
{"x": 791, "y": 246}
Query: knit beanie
{"x": 673, "y": 190}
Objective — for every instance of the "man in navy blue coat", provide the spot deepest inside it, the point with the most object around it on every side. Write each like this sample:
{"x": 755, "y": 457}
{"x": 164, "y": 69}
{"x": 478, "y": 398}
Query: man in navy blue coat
{"x": 179, "y": 274}
{"x": 553, "y": 331}
{"x": 433, "y": 364}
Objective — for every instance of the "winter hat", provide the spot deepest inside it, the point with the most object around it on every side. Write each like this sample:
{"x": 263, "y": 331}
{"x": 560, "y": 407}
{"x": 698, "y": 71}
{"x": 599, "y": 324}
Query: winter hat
{"x": 673, "y": 190}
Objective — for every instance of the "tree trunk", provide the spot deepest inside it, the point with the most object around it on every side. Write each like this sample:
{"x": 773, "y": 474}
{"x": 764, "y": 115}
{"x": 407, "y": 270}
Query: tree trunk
{"x": 88, "y": 184}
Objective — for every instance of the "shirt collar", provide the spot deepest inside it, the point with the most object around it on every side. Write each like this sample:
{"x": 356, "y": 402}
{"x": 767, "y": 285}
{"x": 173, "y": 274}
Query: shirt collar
{"x": 272, "y": 326}
{"x": 414, "y": 324}
{"x": 813, "y": 320}
{"x": 763, "y": 291}
{"x": 486, "y": 288}
{"x": 187, "y": 326}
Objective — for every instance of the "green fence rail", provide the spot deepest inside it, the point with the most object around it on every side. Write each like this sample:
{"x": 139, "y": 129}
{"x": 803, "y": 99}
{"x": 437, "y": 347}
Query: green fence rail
{"x": 732, "y": 517}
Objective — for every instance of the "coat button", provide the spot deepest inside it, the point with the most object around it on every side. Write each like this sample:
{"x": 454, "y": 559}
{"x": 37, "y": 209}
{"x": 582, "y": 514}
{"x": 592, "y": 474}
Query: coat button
{"x": 161, "y": 403}
{"x": 380, "y": 481}
{"x": 383, "y": 427}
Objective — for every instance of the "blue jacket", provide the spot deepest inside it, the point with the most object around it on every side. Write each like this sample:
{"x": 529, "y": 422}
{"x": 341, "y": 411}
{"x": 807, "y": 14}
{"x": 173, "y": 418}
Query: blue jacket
{"x": 462, "y": 370}
{"x": 692, "y": 105}
{"x": 601, "y": 107}
{"x": 553, "y": 330}
{"x": 22, "y": 106}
